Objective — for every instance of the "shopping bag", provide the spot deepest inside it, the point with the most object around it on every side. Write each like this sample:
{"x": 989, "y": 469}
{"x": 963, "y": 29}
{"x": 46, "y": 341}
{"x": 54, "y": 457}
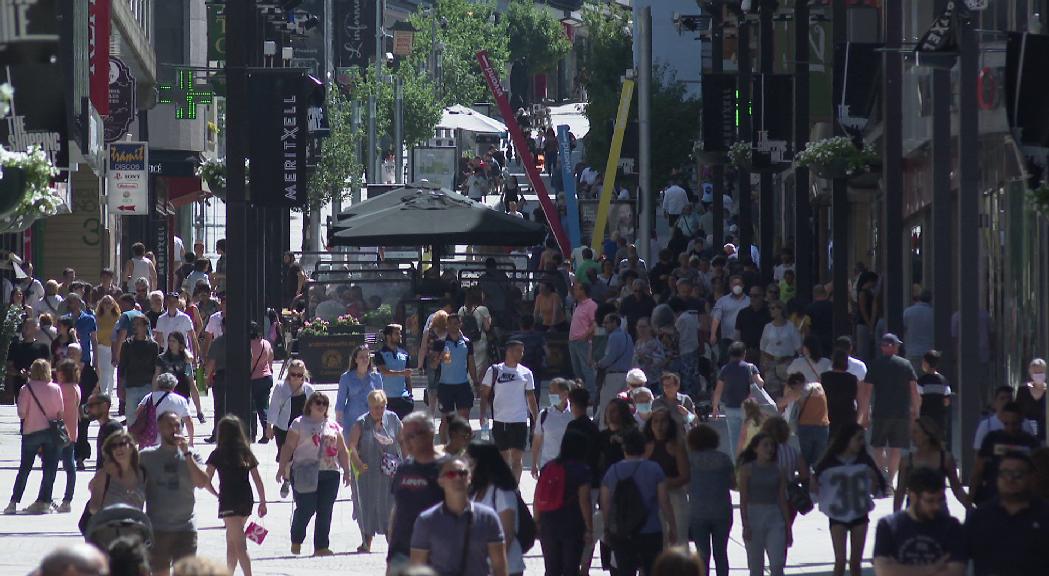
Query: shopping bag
{"x": 255, "y": 532}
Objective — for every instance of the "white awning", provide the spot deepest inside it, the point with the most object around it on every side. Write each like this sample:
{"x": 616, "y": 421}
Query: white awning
{"x": 573, "y": 115}
{"x": 459, "y": 117}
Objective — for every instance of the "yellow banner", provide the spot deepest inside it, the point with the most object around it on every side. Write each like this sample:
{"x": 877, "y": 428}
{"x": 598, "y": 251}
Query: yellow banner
{"x": 612, "y": 166}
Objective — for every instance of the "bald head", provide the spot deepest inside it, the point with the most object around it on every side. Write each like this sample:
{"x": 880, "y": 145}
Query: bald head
{"x": 75, "y": 560}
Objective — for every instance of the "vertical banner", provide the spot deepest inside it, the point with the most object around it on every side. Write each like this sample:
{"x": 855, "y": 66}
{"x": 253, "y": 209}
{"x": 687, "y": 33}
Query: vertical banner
{"x": 719, "y": 112}
{"x": 354, "y": 22}
{"x": 568, "y": 182}
{"x": 553, "y": 219}
{"x": 278, "y": 138}
{"x": 610, "y": 169}
{"x": 98, "y": 54}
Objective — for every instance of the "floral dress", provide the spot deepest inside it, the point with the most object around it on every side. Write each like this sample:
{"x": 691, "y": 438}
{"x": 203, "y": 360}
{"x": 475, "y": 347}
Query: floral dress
{"x": 373, "y": 499}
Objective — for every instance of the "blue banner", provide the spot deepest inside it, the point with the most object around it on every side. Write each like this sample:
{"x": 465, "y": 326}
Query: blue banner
{"x": 568, "y": 183}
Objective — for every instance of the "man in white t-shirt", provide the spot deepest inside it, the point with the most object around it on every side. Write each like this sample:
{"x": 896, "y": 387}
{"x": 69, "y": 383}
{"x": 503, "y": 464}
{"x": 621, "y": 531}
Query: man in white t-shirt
{"x": 213, "y": 327}
{"x": 550, "y": 430}
{"x": 508, "y": 388}
{"x": 174, "y": 321}
{"x": 167, "y": 400}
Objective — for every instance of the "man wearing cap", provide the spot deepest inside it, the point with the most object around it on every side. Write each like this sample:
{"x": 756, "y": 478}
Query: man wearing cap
{"x": 894, "y": 386}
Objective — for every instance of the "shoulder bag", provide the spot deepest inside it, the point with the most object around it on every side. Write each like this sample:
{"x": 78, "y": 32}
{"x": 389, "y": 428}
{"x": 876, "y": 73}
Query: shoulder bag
{"x": 85, "y": 518}
{"x": 305, "y": 475}
{"x": 56, "y": 428}
{"x": 466, "y": 542}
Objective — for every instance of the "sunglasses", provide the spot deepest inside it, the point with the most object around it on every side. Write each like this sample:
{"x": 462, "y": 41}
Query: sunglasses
{"x": 121, "y": 444}
{"x": 296, "y": 375}
{"x": 453, "y": 474}
{"x": 320, "y": 402}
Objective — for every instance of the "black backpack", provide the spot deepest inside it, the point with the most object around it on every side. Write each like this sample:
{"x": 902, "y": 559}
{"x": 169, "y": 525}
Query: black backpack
{"x": 526, "y": 528}
{"x": 627, "y": 514}
{"x": 470, "y": 327}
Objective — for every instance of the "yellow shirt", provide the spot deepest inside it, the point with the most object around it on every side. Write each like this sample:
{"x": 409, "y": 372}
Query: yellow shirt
{"x": 105, "y": 324}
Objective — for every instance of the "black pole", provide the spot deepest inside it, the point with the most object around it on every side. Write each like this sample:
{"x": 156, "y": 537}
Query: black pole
{"x": 766, "y": 208}
{"x": 717, "y": 176}
{"x": 840, "y": 196}
{"x": 971, "y": 376}
{"x": 241, "y": 37}
{"x": 745, "y": 232}
{"x": 803, "y": 253}
{"x": 942, "y": 218}
{"x": 892, "y": 161}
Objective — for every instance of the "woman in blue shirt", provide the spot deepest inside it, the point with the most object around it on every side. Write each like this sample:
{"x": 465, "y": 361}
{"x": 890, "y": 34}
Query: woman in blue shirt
{"x": 354, "y": 386}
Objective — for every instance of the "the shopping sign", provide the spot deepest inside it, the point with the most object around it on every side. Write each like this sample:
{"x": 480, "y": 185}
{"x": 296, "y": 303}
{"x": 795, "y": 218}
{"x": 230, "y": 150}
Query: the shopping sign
{"x": 127, "y": 178}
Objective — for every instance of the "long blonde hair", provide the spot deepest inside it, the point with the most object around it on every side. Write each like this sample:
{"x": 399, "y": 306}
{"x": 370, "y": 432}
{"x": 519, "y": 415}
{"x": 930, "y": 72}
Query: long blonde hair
{"x": 114, "y": 309}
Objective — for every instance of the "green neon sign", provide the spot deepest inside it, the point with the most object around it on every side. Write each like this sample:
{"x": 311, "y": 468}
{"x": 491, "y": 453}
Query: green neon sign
{"x": 185, "y": 95}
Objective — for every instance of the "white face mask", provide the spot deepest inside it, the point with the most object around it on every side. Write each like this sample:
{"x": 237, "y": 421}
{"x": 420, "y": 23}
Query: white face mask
{"x": 1038, "y": 378}
{"x": 737, "y": 289}
{"x": 555, "y": 401}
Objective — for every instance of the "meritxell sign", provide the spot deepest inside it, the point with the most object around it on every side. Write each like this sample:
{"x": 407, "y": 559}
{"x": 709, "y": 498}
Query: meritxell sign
{"x": 279, "y": 132}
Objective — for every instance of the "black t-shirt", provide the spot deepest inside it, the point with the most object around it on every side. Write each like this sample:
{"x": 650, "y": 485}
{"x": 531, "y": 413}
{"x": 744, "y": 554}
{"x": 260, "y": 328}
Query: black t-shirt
{"x": 22, "y": 354}
{"x": 153, "y": 316}
{"x": 585, "y": 426}
{"x": 233, "y": 479}
{"x": 912, "y": 543}
{"x": 179, "y": 367}
{"x": 995, "y": 445}
{"x": 105, "y": 431}
{"x": 751, "y": 323}
{"x": 414, "y": 490}
{"x": 821, "y": 317}
{"x": 1001, "y": 544}
{"x": 840, "y": 388}
{"x": 933, "y": 389}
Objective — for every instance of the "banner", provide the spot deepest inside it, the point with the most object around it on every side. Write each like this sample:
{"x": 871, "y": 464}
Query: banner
{"x": 122, "y": 96}
{"x": 98, "y": 53}
{"x": 773, "y": 122}
{"x": 216, "y": 32}
{"x": 938, "y": 47}
{"x": 279, "y": 132}
{"x": 859, "y": 83}
{"x": 719, "y": 112}
{"x": 568, "y": 183}
{"x": 553, "y": 217}
{"x": 610, "y": 169}
{"x": 354, "y": 22}
{"x": 38, "y": 111}
{"x": 127, "y": 178}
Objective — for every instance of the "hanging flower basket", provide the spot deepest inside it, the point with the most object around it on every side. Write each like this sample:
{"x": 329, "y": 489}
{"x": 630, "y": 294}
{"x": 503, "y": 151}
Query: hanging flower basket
{"x": 28, "y": 175}
{"x": 1038, "y": 199}
{"x": 214, "y": 173}
{"x": 835, "y": 157}
{"x": 741, "y": 155}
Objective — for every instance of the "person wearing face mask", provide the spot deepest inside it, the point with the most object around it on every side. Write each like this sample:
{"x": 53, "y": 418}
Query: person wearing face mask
{"x": 642, "y": 398}
{"x": 553, "y": 421}
{"x": 723, "y": 317}
{"x": 1031, "y": 397}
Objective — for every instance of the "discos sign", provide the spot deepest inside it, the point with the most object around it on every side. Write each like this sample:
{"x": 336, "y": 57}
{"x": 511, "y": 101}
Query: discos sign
{"x": 127, "y": 178}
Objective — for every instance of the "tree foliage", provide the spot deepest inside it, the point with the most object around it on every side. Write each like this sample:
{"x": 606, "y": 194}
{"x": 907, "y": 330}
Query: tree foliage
{"x": 607, "y": 55}
{"x": 340, "y": 167}
{"x": 537, "y": 39}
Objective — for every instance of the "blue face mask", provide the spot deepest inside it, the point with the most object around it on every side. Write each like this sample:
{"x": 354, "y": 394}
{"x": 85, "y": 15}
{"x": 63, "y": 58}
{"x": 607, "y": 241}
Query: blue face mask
{"x": 555, "y": 401}
{"x": 644, "y": 407}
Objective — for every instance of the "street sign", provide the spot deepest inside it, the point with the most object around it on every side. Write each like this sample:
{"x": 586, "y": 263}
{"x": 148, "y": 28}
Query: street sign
{"x": 122, "y": 108}
{"x": 127, "y": 178}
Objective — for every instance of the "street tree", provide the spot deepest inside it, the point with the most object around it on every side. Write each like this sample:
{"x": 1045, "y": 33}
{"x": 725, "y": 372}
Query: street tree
{"x": 537, "y": 39}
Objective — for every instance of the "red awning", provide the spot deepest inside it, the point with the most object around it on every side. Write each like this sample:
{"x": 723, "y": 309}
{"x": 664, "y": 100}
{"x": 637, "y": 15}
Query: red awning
{"x": 182, "y": 190}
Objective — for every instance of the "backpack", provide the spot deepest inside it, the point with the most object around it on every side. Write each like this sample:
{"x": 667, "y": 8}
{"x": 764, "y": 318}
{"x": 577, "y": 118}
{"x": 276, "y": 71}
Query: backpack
{"x": 470, "y": 327}
{"x": 526, "y": 528}
{"x": 627, "y": 512}
{"x": 144, "y": 429}
{"x": 550, "y": 491}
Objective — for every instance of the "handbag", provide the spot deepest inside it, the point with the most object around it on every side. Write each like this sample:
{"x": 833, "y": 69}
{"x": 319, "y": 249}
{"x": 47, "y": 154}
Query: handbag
{"x": 305, "y": 475}
{"x": 85, "y": 518}
{"x": 799, "y": 498}
{"x": 56, "y": 428}
{"x": 389, "y": 465}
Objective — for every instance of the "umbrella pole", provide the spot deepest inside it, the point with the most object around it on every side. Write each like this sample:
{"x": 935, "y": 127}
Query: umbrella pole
{"x": 435, "y": 259}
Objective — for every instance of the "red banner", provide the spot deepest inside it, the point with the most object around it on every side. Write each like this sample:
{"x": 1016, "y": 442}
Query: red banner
{"x": 553, "y": 219}
{"x": 98, "y": 53}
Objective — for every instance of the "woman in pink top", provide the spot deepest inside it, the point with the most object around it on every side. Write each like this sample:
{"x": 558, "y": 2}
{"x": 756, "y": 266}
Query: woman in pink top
{"x": 261, "y": 379}
{"x": 68, "y": 374}
{"x": 36, "y": 439}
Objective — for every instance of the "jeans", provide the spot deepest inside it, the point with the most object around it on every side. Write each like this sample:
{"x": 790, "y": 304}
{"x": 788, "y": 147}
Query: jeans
{"x": 69, "y": 464}
{"x": 134, "y": 396}
{"x": 105, "y": 369}
{"x": 33, "y": 444}
{"x": 768, "y": 536}
{"x": 260, "y": 399}
{"x": 320, "y": 503}
{"x": 733, "y": 423}
{"x": 813, "y": 442}
{"x": 561, "y": 556}
{"x": 638, "y": 555}
{"x": 711, "y": 537}
{"x": 579, "y": 353}
{"x": 864, "y": 342}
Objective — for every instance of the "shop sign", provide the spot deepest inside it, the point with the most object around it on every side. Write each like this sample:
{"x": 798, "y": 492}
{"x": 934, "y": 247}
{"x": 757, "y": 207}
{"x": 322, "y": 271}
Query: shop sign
{"x": 127, "y": 178}
{"x": 98, "y": 53}
{"x": 122, "y": 100}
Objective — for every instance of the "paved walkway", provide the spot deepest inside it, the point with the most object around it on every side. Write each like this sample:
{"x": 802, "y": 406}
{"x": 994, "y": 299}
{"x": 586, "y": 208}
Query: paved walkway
{"x": 26, "y": 539}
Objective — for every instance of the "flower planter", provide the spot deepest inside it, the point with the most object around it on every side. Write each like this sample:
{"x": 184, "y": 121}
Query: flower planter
{"x": 710, "y": 158}
{"x": 12, "y": 189}
{"x": 866, "y": 179}
{"x": 327, "y": 357}
{"x": 836, "y": 168}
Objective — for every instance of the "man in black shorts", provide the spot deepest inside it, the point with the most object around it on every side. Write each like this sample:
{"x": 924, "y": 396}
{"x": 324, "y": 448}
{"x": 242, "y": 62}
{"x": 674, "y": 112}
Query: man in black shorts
{"x": 891, "y": 380}
{"x": 508, "y": 388}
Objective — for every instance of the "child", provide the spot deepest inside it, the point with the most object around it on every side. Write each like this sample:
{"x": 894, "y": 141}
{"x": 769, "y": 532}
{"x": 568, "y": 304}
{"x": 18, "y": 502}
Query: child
{"x": 234, "y": 461}
{"x": 68, "y": 373}
{"x": 934, "y": 389}
{"x": 753, "y": 418}
{"x": 845, "y": 479}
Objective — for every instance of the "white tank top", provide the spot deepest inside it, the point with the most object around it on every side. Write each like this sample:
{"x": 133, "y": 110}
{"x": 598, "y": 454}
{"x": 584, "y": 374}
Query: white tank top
{"x": 140, "y": 269}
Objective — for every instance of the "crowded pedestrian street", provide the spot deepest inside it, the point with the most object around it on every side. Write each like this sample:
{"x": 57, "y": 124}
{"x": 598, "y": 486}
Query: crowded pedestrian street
{"x": 512, "y": 287}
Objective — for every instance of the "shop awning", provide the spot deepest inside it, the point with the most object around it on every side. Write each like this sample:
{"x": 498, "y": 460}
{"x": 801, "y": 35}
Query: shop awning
{"x": 182, "y": 190}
